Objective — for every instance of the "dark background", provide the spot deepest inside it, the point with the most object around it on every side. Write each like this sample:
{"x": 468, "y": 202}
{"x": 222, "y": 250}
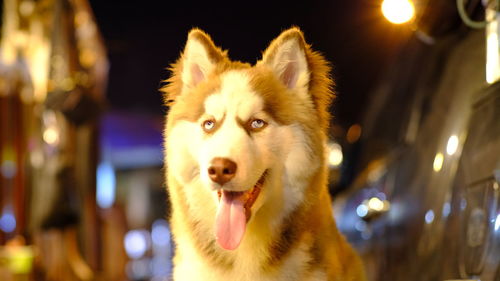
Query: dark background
{"x": 143, "y": 38}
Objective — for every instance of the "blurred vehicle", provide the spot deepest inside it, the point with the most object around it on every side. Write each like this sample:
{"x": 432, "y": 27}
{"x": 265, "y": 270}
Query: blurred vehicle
{"x": 425, "y": 202}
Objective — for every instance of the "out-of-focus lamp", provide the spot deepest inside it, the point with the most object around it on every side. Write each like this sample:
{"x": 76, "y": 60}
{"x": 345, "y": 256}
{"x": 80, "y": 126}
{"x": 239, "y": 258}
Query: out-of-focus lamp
{"x": 438, "y": 162}
{"x": 335, "y": 155}
{"x": 429, "y": 217}
{"x": 452, "y": 145}
{"x": 398, "y": 11}
{"x": 106, "y": 185}
{"x": 51, "y": 135}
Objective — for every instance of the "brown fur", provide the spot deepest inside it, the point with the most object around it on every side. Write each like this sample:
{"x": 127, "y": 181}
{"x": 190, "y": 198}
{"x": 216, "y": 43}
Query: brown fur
{"x": 311, "y": 223}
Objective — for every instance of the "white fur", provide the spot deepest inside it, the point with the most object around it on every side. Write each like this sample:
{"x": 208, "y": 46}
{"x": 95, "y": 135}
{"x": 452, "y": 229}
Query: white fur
{"x": 283, "y": 150}
{"x": 291, "y": 57}
{"x": 235, "y": 101}
{"x": 244, "y": 268}
{"x": 197, "y": 64}
{"x": 299, "y": 165}
{"x": 287, "y": 152}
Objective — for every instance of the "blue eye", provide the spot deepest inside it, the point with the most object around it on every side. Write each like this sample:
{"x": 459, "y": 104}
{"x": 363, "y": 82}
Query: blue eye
{"x": 258, "y": 124}
{"x": 208, "y": 125}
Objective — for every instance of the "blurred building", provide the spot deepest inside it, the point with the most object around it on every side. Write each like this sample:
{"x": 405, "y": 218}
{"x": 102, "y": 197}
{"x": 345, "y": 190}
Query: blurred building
{"x": 53, "y": 73}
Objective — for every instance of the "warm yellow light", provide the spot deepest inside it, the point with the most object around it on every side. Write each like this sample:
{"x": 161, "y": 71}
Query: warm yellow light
{"x": 376, "y": 204}
{"x": 398, "y": 11}
{"x": 335, "y": 156}
{"x": 51, "y": 135}
{"x": 438, "y": 162}
{"x": 452, "y": 145}
{"x": 492, "y": 45}
{"x": 26, "y": 8}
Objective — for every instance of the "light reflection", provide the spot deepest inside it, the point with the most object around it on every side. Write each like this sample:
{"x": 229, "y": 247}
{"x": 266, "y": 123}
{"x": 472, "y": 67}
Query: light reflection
{"x": 353, "y": 133}
{"x": 398, "y": 11}
{"x": 161, "y": 263}
{"x": 51, "y": 135}
{"x": 376, "y": 204}
{"x": 452, "y": 145}
{"x": 7, "y": 220}
{"x": 136, "y": 243}
{"x": 446, "y": 209}
{"x": 335, "y": 156}
{"x": 497, "y": 223}
{"x": 438, "y": 162}
{"x": 160, "y": 233}
{"x": 492, "y": 55}
{"x": 362, "y": 210}
{"x": 106, "y": 185}
{"x": 429, "y": 217}
{"x": 372, "y": 207}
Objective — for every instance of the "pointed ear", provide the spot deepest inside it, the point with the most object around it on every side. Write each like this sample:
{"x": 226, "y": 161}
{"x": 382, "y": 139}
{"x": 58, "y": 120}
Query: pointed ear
{"x": 286, "y": 56}
{"x": 199, "y": 58}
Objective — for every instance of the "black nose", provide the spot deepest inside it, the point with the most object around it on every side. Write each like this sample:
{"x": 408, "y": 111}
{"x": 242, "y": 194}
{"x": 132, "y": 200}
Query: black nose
{"x": 222, "y": 170}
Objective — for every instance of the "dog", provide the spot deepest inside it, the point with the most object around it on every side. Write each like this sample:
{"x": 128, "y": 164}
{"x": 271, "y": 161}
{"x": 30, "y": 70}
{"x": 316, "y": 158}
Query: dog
{"x": 246, "y": 169}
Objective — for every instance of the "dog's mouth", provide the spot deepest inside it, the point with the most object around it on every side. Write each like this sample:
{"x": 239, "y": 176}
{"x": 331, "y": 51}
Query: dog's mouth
{"x": 233, "y": 213}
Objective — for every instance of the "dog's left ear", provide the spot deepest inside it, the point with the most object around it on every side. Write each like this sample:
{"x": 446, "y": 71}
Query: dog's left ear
{"x": 286, "y": 56}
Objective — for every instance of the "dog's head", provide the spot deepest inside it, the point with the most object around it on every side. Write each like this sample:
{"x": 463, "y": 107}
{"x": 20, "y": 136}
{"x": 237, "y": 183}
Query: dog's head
{"x": 245, "y": 140}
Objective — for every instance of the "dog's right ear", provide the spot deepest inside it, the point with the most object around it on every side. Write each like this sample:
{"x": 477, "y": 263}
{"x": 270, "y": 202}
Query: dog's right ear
{"x": 197, "y": 61}
{"x": 199, "y": 58}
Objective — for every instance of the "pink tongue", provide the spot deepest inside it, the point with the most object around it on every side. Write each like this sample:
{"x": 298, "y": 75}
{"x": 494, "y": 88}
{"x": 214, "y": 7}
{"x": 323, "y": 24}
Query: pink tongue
{"x": 230, "y": 223}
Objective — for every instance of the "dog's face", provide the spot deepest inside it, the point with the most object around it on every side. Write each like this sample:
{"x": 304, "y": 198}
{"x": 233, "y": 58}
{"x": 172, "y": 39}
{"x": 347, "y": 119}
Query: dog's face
{"x": 241, "y": 138}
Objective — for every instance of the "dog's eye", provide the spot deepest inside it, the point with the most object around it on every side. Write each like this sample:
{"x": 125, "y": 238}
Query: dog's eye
{"x": 258, "y": 124}
{"x": 208, "y": 125}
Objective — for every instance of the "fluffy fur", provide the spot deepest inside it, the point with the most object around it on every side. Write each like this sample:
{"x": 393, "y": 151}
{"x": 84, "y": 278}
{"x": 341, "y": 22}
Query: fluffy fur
{"x": 214, "y": 104}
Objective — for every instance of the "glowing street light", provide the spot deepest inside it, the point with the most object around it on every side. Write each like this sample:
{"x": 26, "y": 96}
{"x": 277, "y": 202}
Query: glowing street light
{"x": 398, "y": 11}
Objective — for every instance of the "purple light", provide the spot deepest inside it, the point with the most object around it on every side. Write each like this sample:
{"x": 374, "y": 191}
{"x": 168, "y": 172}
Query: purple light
{"x": 7, "y": 221}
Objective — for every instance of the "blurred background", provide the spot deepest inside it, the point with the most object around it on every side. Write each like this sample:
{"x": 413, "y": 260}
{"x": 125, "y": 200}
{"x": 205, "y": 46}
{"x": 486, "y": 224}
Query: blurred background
{"x": 415, "y": 139}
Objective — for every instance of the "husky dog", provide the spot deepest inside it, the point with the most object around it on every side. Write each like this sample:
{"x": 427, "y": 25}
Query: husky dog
{"x": 246, "y": 166}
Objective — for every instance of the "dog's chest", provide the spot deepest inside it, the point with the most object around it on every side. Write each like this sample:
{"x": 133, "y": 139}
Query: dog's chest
{"x": 295, "y": 266}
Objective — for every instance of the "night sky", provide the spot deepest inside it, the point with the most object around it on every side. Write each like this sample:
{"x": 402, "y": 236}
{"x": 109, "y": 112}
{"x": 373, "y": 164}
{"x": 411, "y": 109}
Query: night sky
{"x": 144, "y": 37}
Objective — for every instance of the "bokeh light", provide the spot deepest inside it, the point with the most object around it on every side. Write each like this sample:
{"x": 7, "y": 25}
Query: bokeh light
{"x": 398, "y": 11}
{"x": 429, "y": 217}
{"x": 7, "y": 221}
{"x": 362, "y": 210}
{"x": 376, "y": 204}
{"x": 438, "y": 162}
{"x": 136, "y": 243}
{"x": 160, "y": 233}
{"x": 51, "y": 135}
{"x": 353, "y": 133}
{"x": 452, "y": 145}
{"x": 335, "y": 156}
{"x": 106, "y": 185}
